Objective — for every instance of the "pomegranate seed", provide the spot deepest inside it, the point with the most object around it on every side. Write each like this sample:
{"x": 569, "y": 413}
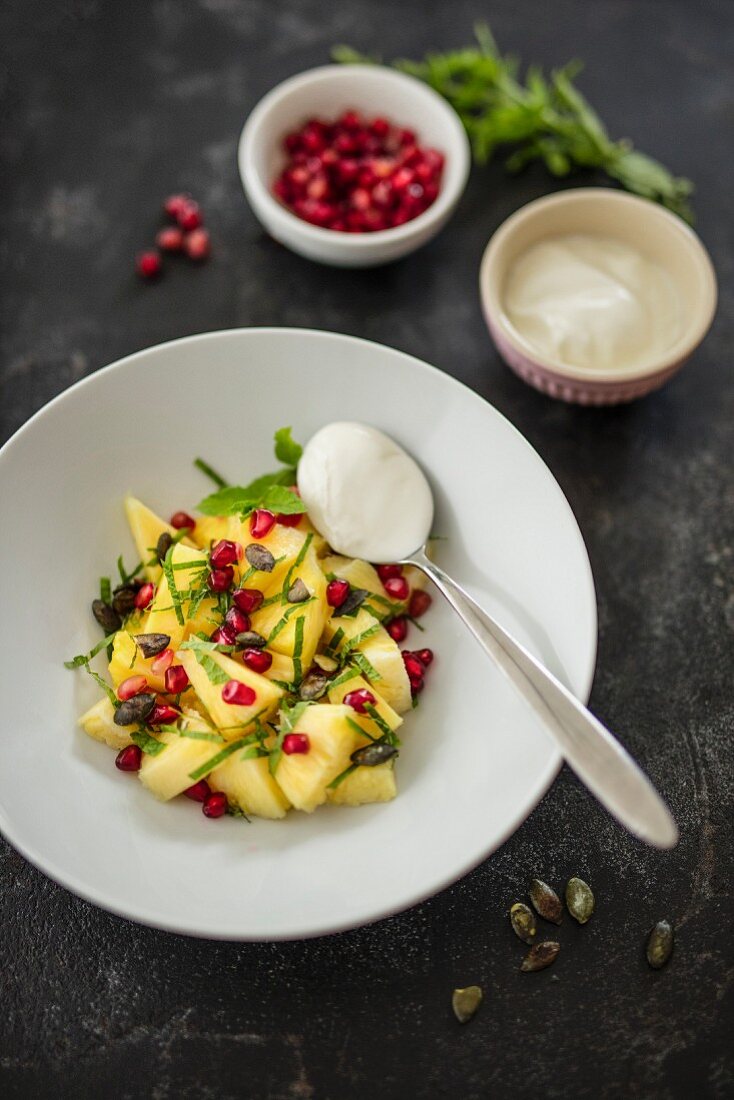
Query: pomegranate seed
{"x": 337, "y": 592}
{"x": 247, "y": 599}
{"x": 144, "y": 596}
{"x": 215, "y": 804}
{"x": 223, "y": 635}
{"x": 162, "y": 662}
{"x": 197, "y": 245}
{"x": 179, "y": 520}
{"x": 296, "y": 743}
{"x": 170, "y": 238}
{"x": 149, "y": 264}
{"x": 224, "y": 553}
{"x": 397, "y": 587}
{"x": 385, "y": 572}
{"x": 425, "y": 656}
{"x": 420, "y": 601}
{"x": 134, "y": 685}
{"x": 397, "y": 629}
{"x": 129, "y": 759}
{"x": 237, "y": 621}
{"x": 261, "y": 523}
{"x": 162, "y": 715}
{"x": 198, "y": 792}
{"x": 174, "y": 204}
{"x": 176, "y": 680}
{"x": 416, "y": 684}
{"x": 189, "y": 215}
{"x": 380, "y": 127}
{"x": 359, "y": 700}
{"x": 413, "y": 666}
{"x": 289, "y": 520}
{"x": 259, "y": 660}
{"x": 219, "y": 580}
{"x": 238, "y": 694}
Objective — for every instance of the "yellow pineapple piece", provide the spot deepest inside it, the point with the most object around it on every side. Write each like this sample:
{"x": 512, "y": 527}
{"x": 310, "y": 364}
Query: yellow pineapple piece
{"x": 304, "y": 777}
{"x": 365, "y": 785}
{"x": 210, "y": 529}
{"x": 281, "y": 670}
{"x": 284, "y": 543}
{"x": 298, "y": 642}
{"x": 162, "y": 615}
{"x": 249, "y": 785}
{"x": 146, "y": 529}
{"x": 386, "y": 713}
{"x": 99, "y": 723}
{"x": 230, "y": 718}
{"x": 168, "y": 773}
{"x": 128, "y": 660}
{"x": 380, "y": 650}
{"x": 360, "y": 574}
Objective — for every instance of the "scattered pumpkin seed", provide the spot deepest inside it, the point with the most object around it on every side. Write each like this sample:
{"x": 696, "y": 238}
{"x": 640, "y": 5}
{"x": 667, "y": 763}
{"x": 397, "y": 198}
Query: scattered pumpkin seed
{"x": 355, "y": 599}
{"x": 106, "y": 616}
{"x": 260, "y": 557}
{"x": 313, "y": 686}
{"x": 123, "y": 599}
{"x": 371, "y": 755}
{"x": 546, "y": 901}
{"x": 164, "y": 544}
{"x": 134, "y": 710}
{"x": 523, "y": 921}
{"x": 465, "y": 1002}
{"x": 298, "y": 592}
{"x": 152, "y": 644}
{"x": 579, "y": 899}
{"x": 250, "y": 639}
{"x": 660, "y": 944}
{"x": 540, "y": 955}
{"x": 326, "y": 664}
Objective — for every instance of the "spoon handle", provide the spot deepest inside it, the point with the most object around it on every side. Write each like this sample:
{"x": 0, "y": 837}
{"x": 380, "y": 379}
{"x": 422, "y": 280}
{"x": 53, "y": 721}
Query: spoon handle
{"x": 592, "y": 751}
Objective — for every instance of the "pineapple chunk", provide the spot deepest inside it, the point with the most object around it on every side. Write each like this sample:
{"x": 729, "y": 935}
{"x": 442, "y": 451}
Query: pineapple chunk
{"x": 360, "y": 574}
{"x": 312, "y": 614}
{"x": 162, "y": 615}
{"x": 230, "y": 718}
{"x": 386, "y": 713}
{"x": 365, "y": 785}
{"x": 99, "y": 723}
{"x": 210, "y": 529}
{"x": 249, "y": 785}
{"x": 380, "y": 650}
{"x": 146, "y": 529}
{"x": 128, "y": 660}
{"x": 169, "y": 772}
{"x": 284, "y": 543}
{"x": 304, "y": 777}
{"x": 282, "y": 669}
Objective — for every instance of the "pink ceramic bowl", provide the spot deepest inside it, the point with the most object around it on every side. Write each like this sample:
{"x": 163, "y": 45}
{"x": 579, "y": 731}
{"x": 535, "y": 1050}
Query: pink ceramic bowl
{"x": 662, "y": 236}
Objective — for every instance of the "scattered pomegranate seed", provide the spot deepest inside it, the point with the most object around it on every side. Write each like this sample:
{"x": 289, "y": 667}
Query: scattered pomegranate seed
{"x": 170, "y": 238}
{"x": 397, "y": 587}
{"x": 129, "y": 759}
{"x": 237, "y": 621}
{"x": 261, "y": 523}
{"x": 197, "y": 245}
{"x": 219, "y": 580}
{"x": 162, "y": 715}
{"x": 359, "y": 700}
{"x": 385, "y": 572}
{"x": 198, "y": 792}
{"x": 176, "y": 680}
{"x": 134, "y": 685}
{"x": 337, "y": 592}
{"x": 162, "y": 662}
{"x": 215, "y": 804}
{"x": 291, "y": 519}
{"x": 149, "y": 264}
{"x": 174, "y": 204}
{"x": 179, "y": 520}
{"x": 259, "y": 660}
{"x": 223, "y": 635}
{"x": 189, "y": 215}
{"x": 224, "y": 553}
{"x": 413, "y": 665}
{"x": 144, "y": 596}
{"x": 247, "y": 599}
{"x": 238, "y": 694}
{"x": 416, "y": 684}
{"x": 425, "y": 656}
{"x": 296, "y": 743}
{"x": 397, "y": 628}
{"x": 420, "y": 601}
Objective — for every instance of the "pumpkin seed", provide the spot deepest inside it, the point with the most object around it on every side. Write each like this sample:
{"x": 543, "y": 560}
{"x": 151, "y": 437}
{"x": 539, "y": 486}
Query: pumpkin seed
{"x": 152, "y": 644}
{"x": 579, "y": 899}
{"x": 298, "y": 592}
{"x": 326, "y": 664}
{"x": 372, "y": 755}
{"x": 660, "y": 944}
{"x": 164, "y": 544}
{"x": 250, "y": 639}
{"x": 123, "y": 599}
{"x": 465, "y": 1002}
{"x": 546, "y": 901}
{"x": 106, "y": 616}
{"x": 260, "y": 557}
{"x": 134, "y": 710}
{"x": 313, "y": 686}
{"x": 540, "y": 955}
{"x": 355, "y": 599}
{"x": 523, "y": 921}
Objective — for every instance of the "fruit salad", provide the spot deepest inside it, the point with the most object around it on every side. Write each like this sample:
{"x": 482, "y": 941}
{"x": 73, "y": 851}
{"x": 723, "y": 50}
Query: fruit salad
{"x": 250, "y": 668}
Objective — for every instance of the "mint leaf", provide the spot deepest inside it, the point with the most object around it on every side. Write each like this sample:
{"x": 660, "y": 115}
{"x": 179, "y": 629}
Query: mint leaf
{"x": 237, "y": 500}
{"x": 151, "y": 746}
{"x": 280, "y": 500}
{"x": 287, "y": 450}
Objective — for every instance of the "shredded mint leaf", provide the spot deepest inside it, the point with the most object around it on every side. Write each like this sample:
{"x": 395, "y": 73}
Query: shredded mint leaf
{"x": 175, "y": 594}
{"x": 105, "y": 589}
{"x": 215, "y": 761}
{"x": 201, "y": 735}
{"x": 287, "y": 450}
{"x": 342, "y": 775}
{"x": 150, "y": 745}
{"x": 210, "y": 473}
{"x": 365, "y": 667}
{"x": 85, "y": 658}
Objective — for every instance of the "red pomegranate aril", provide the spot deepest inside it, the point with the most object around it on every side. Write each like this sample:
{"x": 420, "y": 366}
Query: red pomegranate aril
{"x": 129, "y": 759}
{"x": 174, "y": 204}
{"x": 198, "y": 792}
{"x": 179, "y": 520}
{"x": 237, "y": 621}
{"x": 380, "y": 127}
{"x": 170, "y": 238}
{"x": 238, "y": 694}
{"x": 189, "y": 215}
{"x": 397, "y": 628}
{"x": 350, "y": 120}
{"x": 261, "y": 523}
{"x": 259, "y": 660}
{"x": 162, "y": 662}
{"x": 223, "y": 553}
{"x": 149, "y": 264}
{"x": 223, "y": 635}
{"x": 219, "y": 580}
{"x": 163, "y": 715}
{"x": 134, "y": 685}
{"x": 296, "y": 743}
{"x": 144, "y": 596}
{"x": 215, "y": 804}
{"x": 397, "y": 587}
{"x": 247, "y": 600}
{"x": 413, "y": 666}
{"x": 425, "y": 656}
{"x": 359, "y": 700}
{"x": 197, "y": 245}
{"x": 417, "y": 684}
{"x": 176, "y": 680}
{"x": 337, "y": 592}
{"x": 420, "y": 601}
{"x": 289, "y": 519}
{"x": 385, "y": 572}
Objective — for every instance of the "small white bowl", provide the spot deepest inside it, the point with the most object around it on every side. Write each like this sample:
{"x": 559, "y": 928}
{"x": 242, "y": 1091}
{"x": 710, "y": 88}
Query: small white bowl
{"x": 327, "y": 92}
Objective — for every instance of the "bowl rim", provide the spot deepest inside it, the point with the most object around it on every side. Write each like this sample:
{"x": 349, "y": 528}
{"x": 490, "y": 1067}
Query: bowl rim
{"x": 675, "y": 355}
{"x": 255, "y": 188}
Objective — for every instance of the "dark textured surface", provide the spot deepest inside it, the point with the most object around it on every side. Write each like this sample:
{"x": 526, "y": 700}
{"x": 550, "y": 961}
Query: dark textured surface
{"x": 105, "y": 108}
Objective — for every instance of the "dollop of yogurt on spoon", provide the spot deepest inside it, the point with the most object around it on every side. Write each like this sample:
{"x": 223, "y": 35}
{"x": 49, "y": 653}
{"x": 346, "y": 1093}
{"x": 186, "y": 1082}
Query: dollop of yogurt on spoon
{"x": 364, "y": 493}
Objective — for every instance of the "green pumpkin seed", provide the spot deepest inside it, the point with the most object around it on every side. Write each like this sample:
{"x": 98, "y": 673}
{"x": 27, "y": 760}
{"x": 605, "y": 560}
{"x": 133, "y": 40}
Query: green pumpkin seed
{"x": 523, "y": 922}
{"x": 372, "y": 755}
{"x": 152, "y": 644}
{"x": 660, "y": 944}
{"x": 134, "y": 710}
{"x": 260, "y": 558}
{"x": 298, "y": 593}
{"x": 164, "y": 544}
{"x": 579, "y": 900}
{"x": 353, "y": 602}
{"x": 540, "y": 955}
{"x": 546, "y": 901}
{"x": 106, "y": 616}
{"x": 313, "y": 686}
{"x": 465, "y": 1002}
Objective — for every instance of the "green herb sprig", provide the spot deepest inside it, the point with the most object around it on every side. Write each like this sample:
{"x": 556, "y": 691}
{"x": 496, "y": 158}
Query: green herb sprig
{"x": 269, "y": 491}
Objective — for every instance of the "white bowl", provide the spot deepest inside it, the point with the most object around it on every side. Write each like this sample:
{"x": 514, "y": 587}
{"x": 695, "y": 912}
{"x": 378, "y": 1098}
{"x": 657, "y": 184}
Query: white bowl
{"x": 474, "y": 762}
{"x": 327, "y": 92}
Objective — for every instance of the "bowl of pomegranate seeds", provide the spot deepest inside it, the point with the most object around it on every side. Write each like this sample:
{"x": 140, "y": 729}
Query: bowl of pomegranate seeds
{"x": 353, "y": 165}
